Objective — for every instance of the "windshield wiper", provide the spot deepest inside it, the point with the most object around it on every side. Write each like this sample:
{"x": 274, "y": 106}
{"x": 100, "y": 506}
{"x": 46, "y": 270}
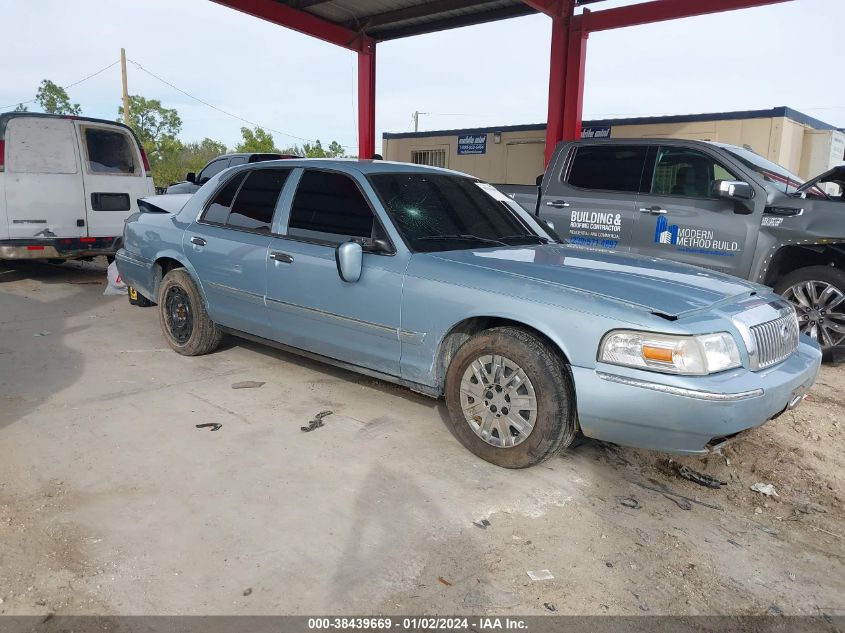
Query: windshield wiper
{"x": 538, "y": 239}
{"x": 462, "y": 236}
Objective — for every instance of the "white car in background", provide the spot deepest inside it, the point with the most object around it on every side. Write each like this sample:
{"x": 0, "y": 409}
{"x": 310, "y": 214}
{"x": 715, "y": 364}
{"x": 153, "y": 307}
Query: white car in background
{"x": 67, "y": 184}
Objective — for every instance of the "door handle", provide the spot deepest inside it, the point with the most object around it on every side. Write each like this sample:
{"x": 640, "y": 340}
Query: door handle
{"x": 281, "y": 257}
{"x": 198, "y": 241}
{"x": 557, "y": 204}
{"x": 655, "y": 210}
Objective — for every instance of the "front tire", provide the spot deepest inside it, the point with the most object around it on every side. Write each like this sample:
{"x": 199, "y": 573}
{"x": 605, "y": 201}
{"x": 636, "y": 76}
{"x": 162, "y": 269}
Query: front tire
{"x": 183, "y": 316}
{"x": 510, "y": 398}
{"x": 818, "y": 294}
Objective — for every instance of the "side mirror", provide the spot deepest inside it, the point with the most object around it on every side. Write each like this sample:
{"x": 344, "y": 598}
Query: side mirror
{"x": 191, "y": 177}
{"x": 349, "y": 258}
{"x": 733, "y": 189}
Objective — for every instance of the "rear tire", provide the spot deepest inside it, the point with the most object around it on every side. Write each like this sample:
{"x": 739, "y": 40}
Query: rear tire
{"x": 183, "y": 316}
{"x": 818, "y": 294}
{"x": 510, "y": 398}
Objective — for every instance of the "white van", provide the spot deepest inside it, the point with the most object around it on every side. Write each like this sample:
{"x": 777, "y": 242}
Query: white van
{"x": 67, "y": 184}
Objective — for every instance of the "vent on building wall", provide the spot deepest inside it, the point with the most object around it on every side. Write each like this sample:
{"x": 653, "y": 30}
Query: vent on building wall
{"x": 432, "y": 157}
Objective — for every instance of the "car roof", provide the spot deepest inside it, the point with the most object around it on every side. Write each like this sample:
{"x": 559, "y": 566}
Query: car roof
{"x": 362, "y": 166}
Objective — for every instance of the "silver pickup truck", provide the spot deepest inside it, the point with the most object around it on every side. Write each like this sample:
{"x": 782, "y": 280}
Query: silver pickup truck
{"x": 713, "y": 205}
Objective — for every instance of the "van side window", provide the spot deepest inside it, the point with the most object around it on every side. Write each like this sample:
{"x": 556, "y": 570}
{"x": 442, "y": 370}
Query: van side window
{"x": 329, "y": 207}
{"x": 608, "y": 167}
{"x": 686, "y": 172}
{"x": 108, "y": 151}
{"x": 218, "y": 210}
{"x": 256, "y": 201}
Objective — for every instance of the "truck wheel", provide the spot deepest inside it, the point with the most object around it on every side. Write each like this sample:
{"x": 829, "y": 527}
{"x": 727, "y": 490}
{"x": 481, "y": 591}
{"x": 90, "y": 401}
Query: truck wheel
{"x": 818, "y": 294}
{"x": 510, "y": 398}
{"x": 184, "y": 319}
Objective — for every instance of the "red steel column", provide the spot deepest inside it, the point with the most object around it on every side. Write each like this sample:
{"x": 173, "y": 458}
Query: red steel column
{"x": 573, "y": 100}
{"x": 367, "y": 99}
{"x": 557, "y": 82}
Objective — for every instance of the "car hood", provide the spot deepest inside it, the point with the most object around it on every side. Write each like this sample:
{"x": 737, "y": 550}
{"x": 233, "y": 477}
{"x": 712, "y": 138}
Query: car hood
{"x": 658, "y": 285}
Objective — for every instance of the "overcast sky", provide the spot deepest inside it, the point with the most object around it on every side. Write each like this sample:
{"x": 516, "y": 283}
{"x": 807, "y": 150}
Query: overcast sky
{"x": 491, "y": 74}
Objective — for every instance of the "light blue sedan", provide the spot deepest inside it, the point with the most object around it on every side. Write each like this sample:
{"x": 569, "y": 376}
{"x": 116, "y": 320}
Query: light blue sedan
{"x": 434, "y": 280}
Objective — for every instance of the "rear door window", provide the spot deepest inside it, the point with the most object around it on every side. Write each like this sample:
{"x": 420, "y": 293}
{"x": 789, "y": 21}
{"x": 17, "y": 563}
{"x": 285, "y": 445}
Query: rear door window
{"x": 607, "y": 167}
{"x": 256, "y": 201}
{"x": 686, "y": 172}
{"x": 109, "y": 151}
{"x": 218, "y": 211}
{"x": 329, "y": 207}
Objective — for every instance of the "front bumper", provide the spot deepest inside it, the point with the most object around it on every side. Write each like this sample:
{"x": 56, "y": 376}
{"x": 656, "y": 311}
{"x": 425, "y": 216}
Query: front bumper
{"x": 683, "y": 414}
{"x": 58, "y": 248}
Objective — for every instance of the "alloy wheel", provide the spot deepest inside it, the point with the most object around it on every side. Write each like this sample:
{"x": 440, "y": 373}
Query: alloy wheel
{"x": 498, "y": 401}
{"x": 821, "y": 310}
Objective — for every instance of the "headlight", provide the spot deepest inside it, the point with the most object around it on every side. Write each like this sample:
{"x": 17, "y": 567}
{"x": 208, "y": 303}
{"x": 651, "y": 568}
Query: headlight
{"x": 690, "y": 355}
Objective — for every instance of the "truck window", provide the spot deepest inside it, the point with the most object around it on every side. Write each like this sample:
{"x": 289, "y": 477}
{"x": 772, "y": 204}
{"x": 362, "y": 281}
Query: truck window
{"x": 212, "y": 169}
{"x": 108, "y": 151}
{"x": 686, "y": 172}
{"x": 608, "y": 167}
{"x": 256, "y": 201}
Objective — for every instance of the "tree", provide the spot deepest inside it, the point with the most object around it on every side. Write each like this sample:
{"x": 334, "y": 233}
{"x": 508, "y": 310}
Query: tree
{"x": 54, "y": 100}
{"x": 174, "y": 163}
{"x": 155, "y": 125}
{"x": 259, "y": 140}
{"x": 334, "y": 150}
{"x": 21, "y": 108}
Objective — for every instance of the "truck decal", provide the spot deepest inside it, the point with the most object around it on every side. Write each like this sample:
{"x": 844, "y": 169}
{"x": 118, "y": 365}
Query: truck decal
{"x": 595, "y": 229}
{"x": 690, "y": 240}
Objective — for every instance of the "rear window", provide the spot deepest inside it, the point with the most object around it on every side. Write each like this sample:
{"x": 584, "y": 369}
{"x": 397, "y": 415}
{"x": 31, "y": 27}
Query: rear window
{"x": 608, "y": 167}
{"x": 40, "y": 145}
{"x": 109, "y": 151}
{"x": 256, "y": 201}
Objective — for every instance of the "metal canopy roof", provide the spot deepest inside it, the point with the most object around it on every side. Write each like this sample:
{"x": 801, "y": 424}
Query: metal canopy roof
{"x": 391, "y": 19}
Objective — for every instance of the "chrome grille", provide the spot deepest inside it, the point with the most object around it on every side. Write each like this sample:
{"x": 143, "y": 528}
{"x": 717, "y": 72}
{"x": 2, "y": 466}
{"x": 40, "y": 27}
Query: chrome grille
{"x": 776, "y": 340}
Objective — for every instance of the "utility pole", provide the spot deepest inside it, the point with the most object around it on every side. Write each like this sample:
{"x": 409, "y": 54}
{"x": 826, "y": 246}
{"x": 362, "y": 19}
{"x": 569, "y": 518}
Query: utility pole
{"x": 417, "y": 120}
{"x": 125, "y": 88}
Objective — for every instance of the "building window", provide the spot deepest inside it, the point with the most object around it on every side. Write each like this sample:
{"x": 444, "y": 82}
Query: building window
{"x": 432, "y": 157}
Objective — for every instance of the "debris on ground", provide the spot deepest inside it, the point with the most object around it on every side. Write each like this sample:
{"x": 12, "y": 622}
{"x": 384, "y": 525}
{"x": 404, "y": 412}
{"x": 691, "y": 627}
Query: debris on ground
{"x": 628, "y": 502}
{"x": 550, "y": 606}
{"x": 247, "y": 591}
{"x": 662, "y": 489}
{"x": 443, "y": 581}
{"x": 701, "y": 479}
{"x": 42, "y": 333}
{"x": 248, "y": 384}
{"x": 733, "y": 542}
{"x": 542, "y": 574}
{"x": 483, "y": 524}
{"x": 765, "y": 489}
{"x": 214, "y": 426}
{"x": 316, "y": 423}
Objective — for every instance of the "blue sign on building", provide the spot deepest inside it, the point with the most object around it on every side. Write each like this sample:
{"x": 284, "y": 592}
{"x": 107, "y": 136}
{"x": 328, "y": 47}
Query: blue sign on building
{"x": 472, "y": 144}
{"x": 595, "y": 132}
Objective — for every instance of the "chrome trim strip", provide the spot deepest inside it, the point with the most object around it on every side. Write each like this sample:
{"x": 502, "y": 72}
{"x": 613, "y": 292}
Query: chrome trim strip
{"x": 412, "y": 338}
{"x": 237, "y": 292}
{"x": 392, "y": 331}
{"x": 680, "y": 391}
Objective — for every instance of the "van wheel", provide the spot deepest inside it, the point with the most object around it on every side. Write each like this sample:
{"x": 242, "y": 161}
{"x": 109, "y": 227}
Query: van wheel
{"x": 818, "y": 294}
{"x": 510, "y": 398}
{"x": 184, "y": 318}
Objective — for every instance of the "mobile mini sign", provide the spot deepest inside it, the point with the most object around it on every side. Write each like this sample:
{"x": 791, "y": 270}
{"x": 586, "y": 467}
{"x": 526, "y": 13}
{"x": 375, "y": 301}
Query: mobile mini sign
{"x": 472, "y": 144}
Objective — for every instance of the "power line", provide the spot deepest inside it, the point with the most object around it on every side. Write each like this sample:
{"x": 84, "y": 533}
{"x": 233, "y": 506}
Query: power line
{"x": 227, "y": 113}
{"x": 75, "y": 83}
